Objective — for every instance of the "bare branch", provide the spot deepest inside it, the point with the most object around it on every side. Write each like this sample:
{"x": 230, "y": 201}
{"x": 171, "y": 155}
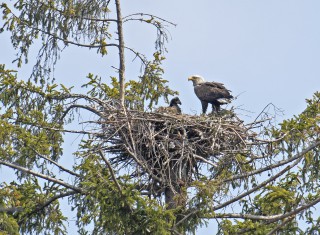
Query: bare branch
{"x": 54, "y": 163}
{"x": 272, "y": 166}
{"x": 143, "y": 166}
{"x": 52, "y": 199}
{"x": 126, "y": 18}
{"x": 57, "y": 164}
{"x": 11, "y": 209}
{"x": 270, "y": 218}
{"x": 62, "y": 130}
{"x": 111, "y": 171}
{"x": 258, "y": 186}
{"x": 139, "y": 55}
{"x": 246, "y": 216}
{"x": 46, "y": 177}
{"x": 95, "y": 111}
{"x": 205, "y": 160}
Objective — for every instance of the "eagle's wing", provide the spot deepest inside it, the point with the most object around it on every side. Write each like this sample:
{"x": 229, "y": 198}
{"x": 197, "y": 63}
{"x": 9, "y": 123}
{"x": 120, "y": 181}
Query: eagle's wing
{"x": 211, "y": 91}
{"x": 215, "y": 84}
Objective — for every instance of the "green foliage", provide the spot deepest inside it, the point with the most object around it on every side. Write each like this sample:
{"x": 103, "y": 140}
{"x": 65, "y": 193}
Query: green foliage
{"x": 152, "y": 86}
{"x": 275, "y": 200}
{"x": 8, "y": 225}
{"x": 113, "y": 211}
{"x": 122, "y": 213}
{"x": 298, "y": 187}
{"x": 141, "y": 94}
{"x": 299, "y": 132}
{"x": 37, "y": 216}
{"x": 29, "y": 120}
{"x": 57, "y": 24}
{"x": 247, "y": 227}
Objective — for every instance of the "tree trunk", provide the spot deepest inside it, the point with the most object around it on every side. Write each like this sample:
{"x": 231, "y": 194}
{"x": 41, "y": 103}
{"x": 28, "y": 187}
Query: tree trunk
{"x": 174, "y": 194}
{"x": 122, "y": 67}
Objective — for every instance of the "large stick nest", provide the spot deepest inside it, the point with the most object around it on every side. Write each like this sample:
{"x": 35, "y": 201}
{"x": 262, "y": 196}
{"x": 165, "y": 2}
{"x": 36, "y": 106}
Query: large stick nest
{"x": 169, "y": 150}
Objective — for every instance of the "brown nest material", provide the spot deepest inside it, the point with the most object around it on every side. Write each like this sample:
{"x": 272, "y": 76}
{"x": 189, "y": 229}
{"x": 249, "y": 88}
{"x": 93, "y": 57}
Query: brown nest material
{"x": 170, "y": 150}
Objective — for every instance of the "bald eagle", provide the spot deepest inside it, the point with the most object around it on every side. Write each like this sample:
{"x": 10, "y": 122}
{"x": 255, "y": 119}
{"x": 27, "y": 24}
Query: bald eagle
{"x": 173, "y": 107}
{"x": 210, "y": 92}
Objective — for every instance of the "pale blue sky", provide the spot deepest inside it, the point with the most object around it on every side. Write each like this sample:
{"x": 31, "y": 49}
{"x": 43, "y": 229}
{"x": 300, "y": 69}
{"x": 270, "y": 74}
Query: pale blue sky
{"x": 270, "y": 50}
{"x": 266, "y": 50}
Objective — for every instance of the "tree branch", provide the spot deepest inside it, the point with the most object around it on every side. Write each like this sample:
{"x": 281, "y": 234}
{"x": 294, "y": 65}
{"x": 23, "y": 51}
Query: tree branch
{"x": 244, "y": 216}
{"x": 126, "y": 18}
{"x": 257, "y": 187}
{"x": 58, "y": 165}
{"x": 272, "y": 166}
{"x": 46, "y": 177}
{"x": 142, "y": 165}
{"x": 204, "y": 160}
{"x": 63, "y": 13}
{"x": 60, "y": 130}
{"x": 270, "y": 218}
{"x": 111, "y": 171}
{"x": 82, "y": 107}
{"x": 58, "y": 196}
{"x": 47, "y": 203}
{"x": 139, "y": 55}
{"x": 11, "y": 209}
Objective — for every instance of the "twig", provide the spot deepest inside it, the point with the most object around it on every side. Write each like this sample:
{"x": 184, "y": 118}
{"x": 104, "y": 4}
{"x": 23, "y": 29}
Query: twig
{"x": 111, "y": 171}
{"x": 144, "y": 14}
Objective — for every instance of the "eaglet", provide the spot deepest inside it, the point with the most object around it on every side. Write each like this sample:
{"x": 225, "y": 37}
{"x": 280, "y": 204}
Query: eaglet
{"x": 173, "y": 107}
